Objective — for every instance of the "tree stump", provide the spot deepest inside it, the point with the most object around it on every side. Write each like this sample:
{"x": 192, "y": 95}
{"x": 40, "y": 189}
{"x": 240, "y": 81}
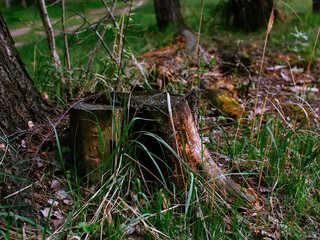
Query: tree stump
{"x": 94, "y": 131}
{"x": 176, "y": 125}
{"x": 170, "y": 118}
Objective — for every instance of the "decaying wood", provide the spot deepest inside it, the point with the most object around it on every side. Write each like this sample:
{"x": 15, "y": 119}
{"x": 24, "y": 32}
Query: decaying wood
{"x": 184, "y": 133}
{"x": 175, "y": 124}
{"x": 94, "y": 129}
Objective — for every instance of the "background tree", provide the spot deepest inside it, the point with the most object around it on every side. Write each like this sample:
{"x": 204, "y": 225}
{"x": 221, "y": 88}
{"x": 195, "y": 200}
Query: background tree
{"x": 248, "y": 15}
{"x": 24, "y": 3}
{"x": 316, "y": 6}
{"x": 20, "y": 102}
{"x": 168, "y": 12}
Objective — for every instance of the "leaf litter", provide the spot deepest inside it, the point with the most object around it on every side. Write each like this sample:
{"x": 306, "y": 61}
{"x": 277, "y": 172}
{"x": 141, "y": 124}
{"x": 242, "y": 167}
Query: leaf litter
{"x": 286, "y": 86}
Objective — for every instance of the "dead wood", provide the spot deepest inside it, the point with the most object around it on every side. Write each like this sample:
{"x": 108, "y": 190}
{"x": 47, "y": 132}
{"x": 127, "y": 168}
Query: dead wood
{"x": 94, "y": 129}
{"x": 175, "y": 124}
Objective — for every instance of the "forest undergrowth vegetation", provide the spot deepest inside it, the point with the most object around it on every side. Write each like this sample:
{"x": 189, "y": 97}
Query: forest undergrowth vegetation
{"x": 273, "y": 150}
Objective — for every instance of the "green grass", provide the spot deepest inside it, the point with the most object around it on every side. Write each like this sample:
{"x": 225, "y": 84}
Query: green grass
{"x": 18, "y": 16}
{"x": 143, "y": 36}
{"x": 160, "y": 209}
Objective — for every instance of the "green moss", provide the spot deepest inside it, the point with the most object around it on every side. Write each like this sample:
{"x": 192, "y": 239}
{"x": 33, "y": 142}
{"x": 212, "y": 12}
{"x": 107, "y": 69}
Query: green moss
{"x": 227, "y": 104}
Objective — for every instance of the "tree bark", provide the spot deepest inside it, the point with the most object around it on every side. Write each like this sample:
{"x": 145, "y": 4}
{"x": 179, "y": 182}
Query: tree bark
{"x": 316, "y": 6}
{"x": 168, "y": 12}
{"x": 20, "y": 102}
{"x": 94, "y": 132}
{"x": 24, "y": 3}
{"x": 248, "y": 15}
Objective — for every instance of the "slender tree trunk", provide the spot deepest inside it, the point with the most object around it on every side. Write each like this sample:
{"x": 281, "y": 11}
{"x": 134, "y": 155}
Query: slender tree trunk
{"x": 20, "y": 102}
{"x": 248, "y": 15}
{"x": 7, "y": 3}
{"x": 168, "y": 12}
{"x": 49, "y": 32}
{"x": 316, "y": 6}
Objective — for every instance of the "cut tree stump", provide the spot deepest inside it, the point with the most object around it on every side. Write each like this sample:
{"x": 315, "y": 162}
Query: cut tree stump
{"x": 170, "y": 117}
{"x": 94, "y": 129}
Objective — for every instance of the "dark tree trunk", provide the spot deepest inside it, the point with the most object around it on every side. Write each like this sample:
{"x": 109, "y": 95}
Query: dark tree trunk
{"x": 168, "y": 12}
{"x": 316, "y": 6}
{"x": 248, "y": 15}
{"x": 20, "y": 102}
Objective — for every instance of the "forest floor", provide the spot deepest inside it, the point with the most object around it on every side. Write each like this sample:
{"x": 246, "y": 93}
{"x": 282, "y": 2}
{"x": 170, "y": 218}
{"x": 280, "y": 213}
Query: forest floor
{"x": 277, "y": 89}
{"x": 267, "y": 129}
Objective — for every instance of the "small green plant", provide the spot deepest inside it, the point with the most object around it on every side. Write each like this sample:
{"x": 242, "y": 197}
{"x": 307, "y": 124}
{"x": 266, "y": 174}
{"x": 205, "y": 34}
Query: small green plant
{"x": 87, "y": 228}
{"x": 301, "y": 44}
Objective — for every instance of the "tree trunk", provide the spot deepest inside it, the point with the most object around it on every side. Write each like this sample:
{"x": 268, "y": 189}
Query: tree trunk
{"x": 50, "y": 33}
{"x": 24, "y": 3}
{"x": 168, "y": 12}
{"x": 20, "y": 102}
{"x": 248, "y": 15}
{"x": 316, "y": 6}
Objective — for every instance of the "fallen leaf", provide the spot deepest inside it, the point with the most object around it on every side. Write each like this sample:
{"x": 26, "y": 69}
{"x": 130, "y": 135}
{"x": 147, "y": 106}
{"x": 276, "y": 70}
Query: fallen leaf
{"x": 54, "y": 203}
{"x": 284, "y": 76}
{"x": 45, "y": 212}
{"x": 59, "y": 215}
{"x": 39, "y": 164}
{"x": 61, "y": 195}
{"x": 68, "y": 201}
{"x": 30, "y": 124}
{"x": 55, "y": 184}
{"x": 3, "y": 146}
